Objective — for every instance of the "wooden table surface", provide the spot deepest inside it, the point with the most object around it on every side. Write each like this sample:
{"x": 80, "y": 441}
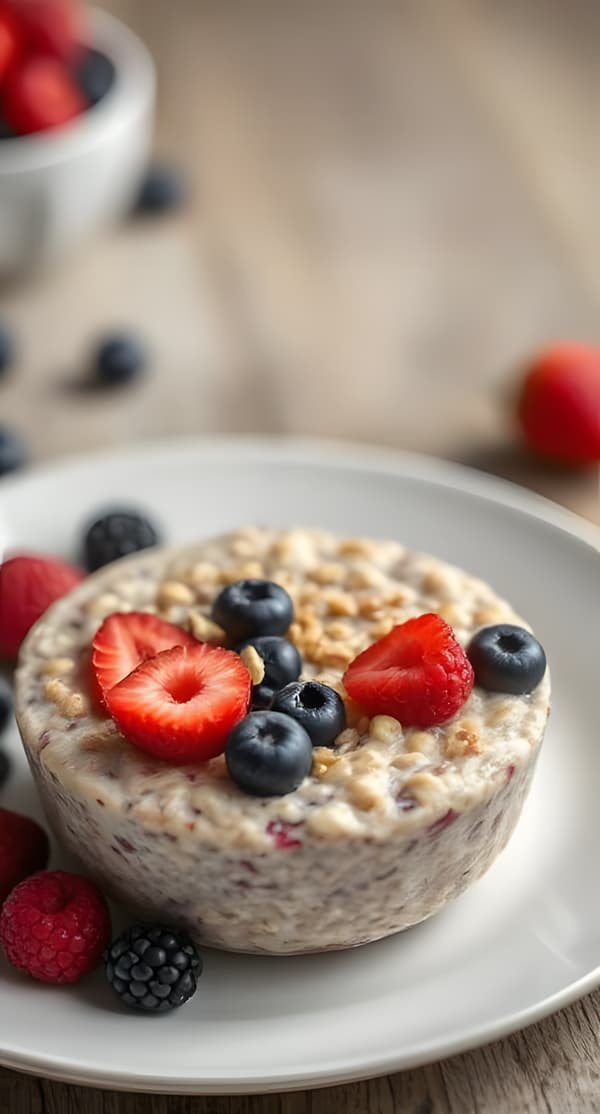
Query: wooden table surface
{"x": 393, "y": 204}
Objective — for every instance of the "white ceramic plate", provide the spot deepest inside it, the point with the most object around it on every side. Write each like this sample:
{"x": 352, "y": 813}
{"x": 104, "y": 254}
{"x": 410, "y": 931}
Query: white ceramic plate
{"x": 523, "y": 942}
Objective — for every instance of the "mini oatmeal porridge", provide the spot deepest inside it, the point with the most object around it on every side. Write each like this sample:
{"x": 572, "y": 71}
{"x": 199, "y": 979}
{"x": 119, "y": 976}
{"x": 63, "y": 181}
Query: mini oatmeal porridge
{"x": 390, "y": 823}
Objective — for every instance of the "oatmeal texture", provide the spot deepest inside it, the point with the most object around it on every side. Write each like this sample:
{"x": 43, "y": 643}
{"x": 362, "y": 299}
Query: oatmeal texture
{"x": 390, "y": 825}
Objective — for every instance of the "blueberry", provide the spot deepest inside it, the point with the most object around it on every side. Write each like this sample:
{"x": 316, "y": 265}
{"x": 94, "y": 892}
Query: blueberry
{"x": 95, "y": 74}
{"x": 119, "y": 359}
{"x": 282, "y": 663}
{"x": 506, "y": 658}
{"x": 268, "y": 754}
{"x": 317, "y": 707}
{"x": 13, "y": 450}
{"x": 7, "y": 349}
{"x": 116, "y": 534}
{"x": 161, "y": 190}
{"x": 252, "y": 607}
{"x": 6, "y": 704}
{"x": 4, "y": 767}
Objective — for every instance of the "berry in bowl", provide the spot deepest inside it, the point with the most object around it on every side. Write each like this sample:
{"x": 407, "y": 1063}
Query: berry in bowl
{"x": 282, "y": 741}
{"x": 76, "y": 115}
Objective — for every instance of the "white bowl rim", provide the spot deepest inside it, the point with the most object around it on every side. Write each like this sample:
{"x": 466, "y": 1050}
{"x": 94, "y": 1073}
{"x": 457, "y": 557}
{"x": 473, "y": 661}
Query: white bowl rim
{"x": 132, "y": 90}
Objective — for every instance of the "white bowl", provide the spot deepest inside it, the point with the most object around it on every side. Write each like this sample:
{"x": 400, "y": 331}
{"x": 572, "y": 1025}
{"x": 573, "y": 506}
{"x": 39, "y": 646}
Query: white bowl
{"x": 58, "y": 187}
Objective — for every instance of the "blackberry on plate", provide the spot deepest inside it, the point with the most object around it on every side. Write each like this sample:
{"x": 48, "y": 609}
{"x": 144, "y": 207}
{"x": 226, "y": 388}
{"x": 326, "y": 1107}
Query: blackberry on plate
{"x": 153, "y": 968}
{"x": 116, "y": 534}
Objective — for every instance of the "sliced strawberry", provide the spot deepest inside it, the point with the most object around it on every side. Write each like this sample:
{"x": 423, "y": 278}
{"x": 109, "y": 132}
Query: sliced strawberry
{"x": 418, "y": 673}
{"x": 126, "y": 639}
{"x": 182, "y": 704}
{"x": 29, "y": 583}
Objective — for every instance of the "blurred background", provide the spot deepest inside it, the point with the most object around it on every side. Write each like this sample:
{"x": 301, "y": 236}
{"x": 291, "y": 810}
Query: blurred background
{"x": 389, "y": 207}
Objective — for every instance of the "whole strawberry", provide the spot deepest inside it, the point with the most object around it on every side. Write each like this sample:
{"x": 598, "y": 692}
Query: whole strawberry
{"x": 24, "y": 849}
{"x": 55, "y": 926}
{"x": 559, "y": 404}
{"x": 29, "y": 583}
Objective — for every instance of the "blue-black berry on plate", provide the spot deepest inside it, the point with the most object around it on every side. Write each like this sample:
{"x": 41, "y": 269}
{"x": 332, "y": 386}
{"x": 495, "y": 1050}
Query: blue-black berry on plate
{"x": 282, "y": 664}
{"x": 253, "y": 607}
{"x": 6, "y": 704}
{"x": 268, "y": 754}
{"x": 4, "y": 767}
{"x": 162, "y": 189}
{"x": 153, "y": 968}
{"x": 506, "y": 658}
{"x": 119, "y": 359}
{"x": 95, "y": 74}
{"x": 318, "y": 708}
{"x": 13, "y": 450}
{"x": 7, "y": 349}
{"x": 115, "y": 535}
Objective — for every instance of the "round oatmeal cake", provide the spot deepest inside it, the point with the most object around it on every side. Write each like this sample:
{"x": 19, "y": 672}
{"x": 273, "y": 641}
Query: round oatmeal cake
{"x": 390, "y": 824}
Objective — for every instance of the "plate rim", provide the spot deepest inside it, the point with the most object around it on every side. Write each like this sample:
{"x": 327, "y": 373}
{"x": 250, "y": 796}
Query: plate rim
{"x": 342, "y": 454}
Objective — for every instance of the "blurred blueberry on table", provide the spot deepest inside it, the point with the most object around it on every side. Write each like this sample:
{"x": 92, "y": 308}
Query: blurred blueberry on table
{"x": 120, "y": 358}
{"x": 13, "y": 450}
{"x": 95, "y": 75}
{"x": 116, "y": 534}
{"x": 162, "y": 189}
{"x": 6, "y": 704}
{"x": 7, "y": 349}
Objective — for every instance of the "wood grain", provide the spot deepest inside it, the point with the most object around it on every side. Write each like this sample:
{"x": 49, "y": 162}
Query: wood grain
{"x": 393, "y": 205}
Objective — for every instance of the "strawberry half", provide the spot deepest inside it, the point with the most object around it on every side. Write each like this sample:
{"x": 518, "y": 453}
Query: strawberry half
{"x": 182, "y": 704}
{"x": 126, "y": 639}
{"x": 418, "y": 673}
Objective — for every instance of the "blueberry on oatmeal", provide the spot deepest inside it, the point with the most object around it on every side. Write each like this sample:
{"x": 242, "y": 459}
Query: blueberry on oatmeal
{"x": 507, "y": 658}
{"x": 253, "y": 607}
{"x": 318, "y": 708}
{"x": 268, "y": 754}
{"x": 282, "y": 662}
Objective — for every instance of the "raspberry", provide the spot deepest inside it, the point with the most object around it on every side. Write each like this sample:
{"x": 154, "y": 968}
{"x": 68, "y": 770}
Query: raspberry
{"x": 24, "y": 849}
{"x": 29, "y": 583}
{"x": 418, "y": 673}
{"x": 55, "y": 926}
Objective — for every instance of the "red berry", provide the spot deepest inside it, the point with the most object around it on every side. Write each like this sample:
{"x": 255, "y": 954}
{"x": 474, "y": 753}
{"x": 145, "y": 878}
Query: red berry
{"x": 126, "y": 639}
{"x": 55, "y": 926}
{"x": 40, "y": 94}
{"x": 418, "y": 674}
{"x": 559, "y": 405}
{"x": 182, "y": 704}
{"x": 51, "y": 27}
{"x": 9, "y": 42}
{"x": 24, "y": 849}
{"x": 29, "y": 583}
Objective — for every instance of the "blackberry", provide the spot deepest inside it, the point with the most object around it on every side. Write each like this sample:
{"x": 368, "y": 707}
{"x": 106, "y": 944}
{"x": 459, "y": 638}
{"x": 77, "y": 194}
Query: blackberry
{"x": 115, "y": 535}
{"x": 153, "y": 968}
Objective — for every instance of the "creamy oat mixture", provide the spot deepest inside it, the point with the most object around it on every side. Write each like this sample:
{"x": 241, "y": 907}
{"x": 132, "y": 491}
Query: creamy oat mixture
{"x": 379, "y": 790}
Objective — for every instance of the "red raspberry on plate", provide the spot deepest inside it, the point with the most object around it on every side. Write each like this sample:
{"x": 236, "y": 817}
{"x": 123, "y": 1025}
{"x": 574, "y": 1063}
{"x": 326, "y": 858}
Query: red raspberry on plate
{"x": 29, "y": 583}
{"x": 40, "y": 94}
{"x": 126, "y": 639}
{"x": 182, "y": 704}
{"x": 55, "y": 926}
{"x": 418, "y": 673}
{"x": 24, "y": 849}
{"x": 559, "y": 404}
